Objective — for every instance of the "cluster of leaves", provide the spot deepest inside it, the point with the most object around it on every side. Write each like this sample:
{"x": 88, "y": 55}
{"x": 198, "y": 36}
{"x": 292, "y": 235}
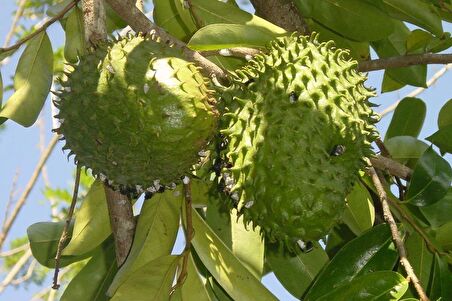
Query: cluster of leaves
{"x": 357, "y": 260}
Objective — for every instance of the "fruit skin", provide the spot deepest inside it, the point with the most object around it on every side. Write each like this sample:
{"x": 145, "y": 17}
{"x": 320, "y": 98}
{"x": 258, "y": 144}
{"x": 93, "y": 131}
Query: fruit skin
{"x": 288, "y": 116}
{"x": 136, "y": 112}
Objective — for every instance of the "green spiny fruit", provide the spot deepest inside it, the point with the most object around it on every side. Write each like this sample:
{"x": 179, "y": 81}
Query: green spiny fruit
{"x": 136, "y": 112}
{"x": 299, "y": 127}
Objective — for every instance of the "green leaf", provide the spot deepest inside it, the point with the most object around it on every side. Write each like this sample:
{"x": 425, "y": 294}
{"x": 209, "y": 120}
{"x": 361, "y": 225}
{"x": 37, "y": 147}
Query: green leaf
{"x": 44, "y": 237}
{"x": 211, "y": 12}
{"x": 356, "y": 258}
{"x": 193, "y": 288}
{"x": 430, "y": 181}
{"x": 442, "y": 139}
{"x": 418, "y": 39}
{"x": 403, "y": 148}
{"x": 32, "y": 82}
{"x": 92, "y": 281}
{"x": 416, "y": 12}
{"x": 230, "y": 273}
{"x": 445, "y": 115}
{"x": 92, "y": 222}
{"x": 389, "y": 84}
{"x": 420, "y": 258}
{"x": 395, "y": 45}
{"x": 445, "y": 276}
{"x": 152, "y": 281}
{"x": 199, "y": 192}
{"x": 247, "y": 244}
{"x": 155, "y": 234}
{"x": 444, "y": 237}
{"x": 177, "y": 20}
{"x": 359, "y": 215}
{"x": 113, "y": 20}
{"x": 218, "y": 218}
{"x": 358, "y": 50}
{"x": 354, "y": 19}
{"x": 408, "y": 118}
{"x": 439, "y": 213}
{"x": 1, "y": 89}
{"x": 4, "y": 54}
{"x": 219, "y": 36}
{"x": 296, "y": 271}
{"x": 75, "y": 36}
{"x": 377, "y": 286}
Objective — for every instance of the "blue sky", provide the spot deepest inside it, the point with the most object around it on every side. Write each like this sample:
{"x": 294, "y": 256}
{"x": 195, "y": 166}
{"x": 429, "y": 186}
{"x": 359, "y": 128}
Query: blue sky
{"x": 19, "y": 152}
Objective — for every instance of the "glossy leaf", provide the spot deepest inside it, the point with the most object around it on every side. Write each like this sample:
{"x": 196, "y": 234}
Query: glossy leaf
{"x": 416, "y": 12}
{"x": 418, "y": 39}
{"x": 439, "y": 213}
{"x": 152, "y": 281}
{"x": 355, "y": 19}
{"x": 430, "y": 181}
{"x": 75, "y": 36}
{"x": 32, "y": 82}
{"x": 444, "y": 237}
{"x": 211, "y": 12}
{"x": 92, "y": 281}
{"x": 337, "y": 238}
{"x": 377, "y": 286}
{"x": 6, "y": 54}
{"x": 177, "y": 20}
{"x": 408, "y": 118}
{"x": 359, "y": 214}
{"x": 155, "y": 234}
{"x": 390, "y": 84}
{"x": 296, "y": 271}
{"x": 443, "y": 139}
{"x": 395, "y": 45}
{"x": 219, "y": 36}
{"x": 247, "y": 244}
{"x": 358, "y": 50}
{"x": 445, "y": 115}
{"x": 44, "y": 239}
{"x": 403, "y": 148}
{"x": 445, "y": 275}
{"x": 230, "y": 273}
{"x": 92, "y": 222}
{"x": 420, "y": 258}
{"x": 351, "y": 260}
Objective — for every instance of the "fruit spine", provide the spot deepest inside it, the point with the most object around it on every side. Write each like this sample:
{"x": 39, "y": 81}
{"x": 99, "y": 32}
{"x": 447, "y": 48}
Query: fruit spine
{"x": 298, "y": 126}
{"x": 136, "y": 112}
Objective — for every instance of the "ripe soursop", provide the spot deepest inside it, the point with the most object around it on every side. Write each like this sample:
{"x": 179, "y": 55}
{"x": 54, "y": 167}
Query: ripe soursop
{"x": 136, "y": 112}
{"x": 298, "y": 126}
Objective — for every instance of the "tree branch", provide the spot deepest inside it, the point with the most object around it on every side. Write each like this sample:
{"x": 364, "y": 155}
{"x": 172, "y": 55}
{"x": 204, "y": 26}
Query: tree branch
{"x": 121, "y": 221}
{"x": 15, "y": 270}
{"x": 379, "y": 185}
{"x": 94, "y": 21}
{"x": 31, "y": 183}
{"x": 42, "y": 28}
{"x": 283, "y": 13}
{"x": 392, "y": 167}
{"x": 127, "y": 10}
{"x": 404, "y": 61}
{"x": 64, "y": 234}
{"x": 17, "y": 16}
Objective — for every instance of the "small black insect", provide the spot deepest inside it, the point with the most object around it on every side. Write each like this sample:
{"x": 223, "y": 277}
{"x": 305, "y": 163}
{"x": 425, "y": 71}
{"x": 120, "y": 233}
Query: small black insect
{"x": 293, "y": 97}
{"x": 337, "y": 150}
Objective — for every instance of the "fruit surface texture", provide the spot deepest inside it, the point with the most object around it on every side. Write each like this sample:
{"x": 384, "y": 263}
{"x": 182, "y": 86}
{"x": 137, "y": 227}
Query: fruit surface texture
{"x": 299, "y": 127}
{"x": 136, "y": 112}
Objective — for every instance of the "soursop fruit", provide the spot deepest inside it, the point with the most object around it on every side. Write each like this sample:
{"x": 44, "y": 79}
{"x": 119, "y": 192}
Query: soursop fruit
{"x": 298, "y": 127}
{"x": 136, "y": 112}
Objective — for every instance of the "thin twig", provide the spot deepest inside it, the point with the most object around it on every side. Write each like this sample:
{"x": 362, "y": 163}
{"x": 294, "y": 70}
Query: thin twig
{"x": 127, "y": 10}
{"x": 240, "y": 52}
{"x": 15, "y": 270}
{"x": 42, "y": 28}
{"x": 27, "y": 275}
{"x": 17, "y": 16}
{"x": 39, "y": 295}
{"x": 392, "y": 167}
{"x": 12, "y": 194}
{"x": 418, "y": 91}
{"x": 15, "y": 250}
{"x": 379, "y": 185}
{"x": 188, "y": 234}
{"x": 65, "y": 234}
{"x": 31, "y": 183}
{"x": 404, "y": 61}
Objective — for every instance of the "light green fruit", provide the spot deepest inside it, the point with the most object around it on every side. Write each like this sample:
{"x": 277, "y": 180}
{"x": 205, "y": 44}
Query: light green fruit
{"x": 289, "y": 114}
{"x": 136, "y": 112}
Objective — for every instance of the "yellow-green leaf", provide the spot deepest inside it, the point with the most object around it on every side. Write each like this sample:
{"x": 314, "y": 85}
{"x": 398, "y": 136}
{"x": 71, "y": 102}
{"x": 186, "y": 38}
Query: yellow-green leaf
{"x": 75, "y": 38}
